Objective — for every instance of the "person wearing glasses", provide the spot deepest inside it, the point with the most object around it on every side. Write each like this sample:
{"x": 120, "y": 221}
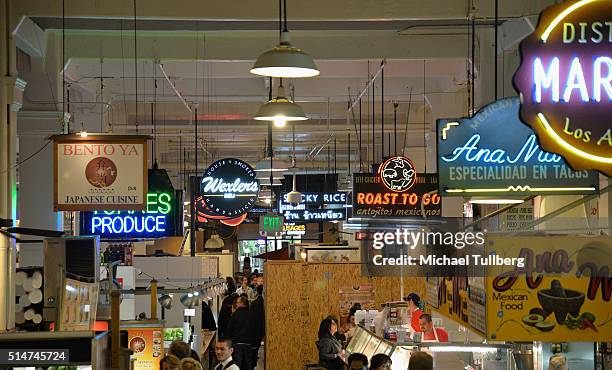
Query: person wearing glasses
{"x": 380, "y": 361}
{"x": 329, "y": 347}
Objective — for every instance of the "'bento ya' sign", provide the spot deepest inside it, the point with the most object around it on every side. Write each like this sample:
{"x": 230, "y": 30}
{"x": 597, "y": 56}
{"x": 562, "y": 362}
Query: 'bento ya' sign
{"x": 565, "y": 81}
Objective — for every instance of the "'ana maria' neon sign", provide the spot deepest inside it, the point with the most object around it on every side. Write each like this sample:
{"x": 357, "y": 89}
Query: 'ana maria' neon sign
{"x": 529, "y": 150}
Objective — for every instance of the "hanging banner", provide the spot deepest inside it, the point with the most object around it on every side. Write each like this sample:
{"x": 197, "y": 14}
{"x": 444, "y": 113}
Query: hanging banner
{"x": 564, "y": 80}
{"x": 560, "y": 292}
{"x": 102, "y": 172}
{"x": 229, "y": 187}
{"x": 494, "y": 153}
{"x": 373, "y": 199}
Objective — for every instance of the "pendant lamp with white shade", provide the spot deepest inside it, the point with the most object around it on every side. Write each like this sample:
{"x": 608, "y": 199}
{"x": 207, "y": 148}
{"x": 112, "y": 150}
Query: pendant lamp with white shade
{"x": 280, "y": 110}
{"x": 285, "y": 60}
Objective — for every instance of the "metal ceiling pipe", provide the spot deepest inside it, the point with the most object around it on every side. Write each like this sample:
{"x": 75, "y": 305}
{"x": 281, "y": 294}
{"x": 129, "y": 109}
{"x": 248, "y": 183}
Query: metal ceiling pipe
{"x": 178, "y": 94}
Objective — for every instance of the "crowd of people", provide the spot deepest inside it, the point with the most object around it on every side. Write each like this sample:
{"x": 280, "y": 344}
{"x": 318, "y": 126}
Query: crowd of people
{"x": 331, "y": 338}
{"x": 240, "y": 329}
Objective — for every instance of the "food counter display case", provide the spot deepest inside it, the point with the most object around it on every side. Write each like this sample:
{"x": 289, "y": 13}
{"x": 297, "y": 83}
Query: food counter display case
{"x": 447, "y": 356}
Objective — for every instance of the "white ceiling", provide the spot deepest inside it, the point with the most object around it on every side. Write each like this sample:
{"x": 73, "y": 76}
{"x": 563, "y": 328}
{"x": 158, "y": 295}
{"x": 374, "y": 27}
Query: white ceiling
{"x": 426, "y": 46}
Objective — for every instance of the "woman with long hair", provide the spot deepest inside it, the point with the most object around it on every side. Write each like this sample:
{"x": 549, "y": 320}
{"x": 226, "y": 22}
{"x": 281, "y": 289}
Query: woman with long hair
{"x": 329, "y": 347}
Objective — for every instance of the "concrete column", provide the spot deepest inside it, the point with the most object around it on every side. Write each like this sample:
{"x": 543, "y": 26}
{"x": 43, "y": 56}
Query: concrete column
{"x": 11, "y": 95}
{"x": 36, "y": 178}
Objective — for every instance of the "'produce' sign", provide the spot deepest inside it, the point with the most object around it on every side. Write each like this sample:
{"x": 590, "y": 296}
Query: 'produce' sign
{"x": 565, "y": 82}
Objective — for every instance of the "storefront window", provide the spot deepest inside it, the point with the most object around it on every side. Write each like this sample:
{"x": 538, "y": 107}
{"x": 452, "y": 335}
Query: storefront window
{"x": 251, "y": 248}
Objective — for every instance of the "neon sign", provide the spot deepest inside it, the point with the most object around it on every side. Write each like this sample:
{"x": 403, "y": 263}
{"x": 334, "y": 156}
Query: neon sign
{"x": 315, "y": 207}
{"x": 397, "y": 173}
{"x": 229, "y": 188}
{"x": 565, "y": 81}
{"x": 471, "y": 153}
{"x": 373, "y": 199}
{"x": 155, "y": 221}
{"x": 494, "y": 153}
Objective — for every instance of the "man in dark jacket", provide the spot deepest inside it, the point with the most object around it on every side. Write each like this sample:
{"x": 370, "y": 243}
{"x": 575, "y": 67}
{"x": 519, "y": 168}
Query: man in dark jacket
{"x": 257, "y": 308}
{"x": 241, "y": 330}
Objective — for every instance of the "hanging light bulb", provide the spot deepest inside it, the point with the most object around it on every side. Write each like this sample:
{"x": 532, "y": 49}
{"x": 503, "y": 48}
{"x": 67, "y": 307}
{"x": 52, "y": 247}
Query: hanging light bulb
{"x": 83, "y": 133}
{"x": 280, "y": 110}
{"x": 280, "y": 122}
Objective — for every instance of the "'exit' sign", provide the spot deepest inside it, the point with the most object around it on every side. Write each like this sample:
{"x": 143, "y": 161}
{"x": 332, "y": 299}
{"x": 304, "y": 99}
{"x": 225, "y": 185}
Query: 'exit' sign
{"x": 270, "y": 224}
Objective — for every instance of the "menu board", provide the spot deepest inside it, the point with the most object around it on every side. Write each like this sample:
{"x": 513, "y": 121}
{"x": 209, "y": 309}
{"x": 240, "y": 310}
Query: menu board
{"x": 78, "y": 306}
{"x": 148, "y": 346}
{"x": 561, "y": 293}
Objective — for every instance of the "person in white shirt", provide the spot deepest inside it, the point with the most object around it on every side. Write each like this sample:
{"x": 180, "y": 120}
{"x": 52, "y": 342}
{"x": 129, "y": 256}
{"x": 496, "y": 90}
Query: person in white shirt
{"x": 223, "y": 351}
{"x": 246, "y": 289}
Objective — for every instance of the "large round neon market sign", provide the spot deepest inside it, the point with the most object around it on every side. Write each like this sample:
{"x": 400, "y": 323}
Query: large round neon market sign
{"x": 229, "y": 187}
{"x": 565, "y": 82}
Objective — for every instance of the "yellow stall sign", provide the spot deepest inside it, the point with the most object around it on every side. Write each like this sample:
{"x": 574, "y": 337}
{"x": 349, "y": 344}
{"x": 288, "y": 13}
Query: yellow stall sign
{"x": 561, "y": 293}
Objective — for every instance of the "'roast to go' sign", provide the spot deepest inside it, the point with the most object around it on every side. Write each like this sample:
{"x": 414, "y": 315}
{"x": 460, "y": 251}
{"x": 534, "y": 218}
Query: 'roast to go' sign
{"x": 565, "y": 81}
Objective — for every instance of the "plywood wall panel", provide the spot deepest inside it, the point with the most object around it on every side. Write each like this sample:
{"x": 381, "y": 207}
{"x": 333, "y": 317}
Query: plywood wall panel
{"x": 299, "y": 296}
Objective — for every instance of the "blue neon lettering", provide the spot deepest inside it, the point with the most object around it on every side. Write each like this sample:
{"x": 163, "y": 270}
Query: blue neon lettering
{"x": 129, "y": 229}
{"x": 141, "y": 228}
{"x": 127, "y": 224}
{"x": 160, "y": 223}
{"x": 119, "y": 227}
{"x": 575, "y": 80}
{"x": 546, "y": 80}
{"x": 146, "y": 221}
{"x": 599, "y": 80}
{"x": 471, "y": 153}
{"x": 95, "y": 222}
{"x": 106, "y": 223}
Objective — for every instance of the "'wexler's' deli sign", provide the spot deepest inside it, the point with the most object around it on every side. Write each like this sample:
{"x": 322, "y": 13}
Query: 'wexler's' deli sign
{"x": 106, "y": 172}
{"x": 229, "y": 187}
{"x": 565, "y": 80}
{"x": 494, "y": 153}
{"x": 396, "y": 190}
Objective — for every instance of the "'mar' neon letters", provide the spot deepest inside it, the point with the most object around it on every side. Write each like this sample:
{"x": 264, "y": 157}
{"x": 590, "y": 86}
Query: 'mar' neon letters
{"x": 546, "y": 76}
